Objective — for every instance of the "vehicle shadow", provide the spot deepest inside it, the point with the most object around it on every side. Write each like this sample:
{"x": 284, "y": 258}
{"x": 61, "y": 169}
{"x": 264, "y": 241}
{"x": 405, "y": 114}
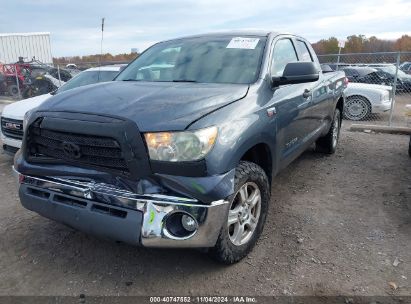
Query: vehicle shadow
{"x": 92, "y": 258}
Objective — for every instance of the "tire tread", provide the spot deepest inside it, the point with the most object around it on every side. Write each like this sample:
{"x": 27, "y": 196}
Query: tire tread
{"x": 325, "y": 144}
{"x": 225, "y": 252}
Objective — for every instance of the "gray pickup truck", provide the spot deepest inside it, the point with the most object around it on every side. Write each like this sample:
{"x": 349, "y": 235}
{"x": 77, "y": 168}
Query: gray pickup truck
{"x": 182, "y": 148}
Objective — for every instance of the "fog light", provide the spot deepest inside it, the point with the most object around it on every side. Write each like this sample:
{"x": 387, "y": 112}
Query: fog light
{"x": 188, "y": 223}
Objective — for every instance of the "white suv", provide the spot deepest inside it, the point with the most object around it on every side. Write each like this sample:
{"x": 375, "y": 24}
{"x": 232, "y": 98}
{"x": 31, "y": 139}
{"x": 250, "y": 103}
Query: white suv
{"x": 13, "y": 114}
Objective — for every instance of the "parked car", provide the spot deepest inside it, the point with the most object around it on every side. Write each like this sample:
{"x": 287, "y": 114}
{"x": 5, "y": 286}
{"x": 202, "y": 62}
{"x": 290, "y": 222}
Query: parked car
{"x": 357, "y": 74}
{"x": 366, "y": 99}
{"x": 403, "y": 79}
{"x": 184, "y": 155}
{"x": 337, "y": 66}
{"x": 40, "y": 85}
{"x": 406, "y": 67}
{"x": 378, "y": 74}
{"x": 13, "y": 114}
{"x": 72, "y": 66}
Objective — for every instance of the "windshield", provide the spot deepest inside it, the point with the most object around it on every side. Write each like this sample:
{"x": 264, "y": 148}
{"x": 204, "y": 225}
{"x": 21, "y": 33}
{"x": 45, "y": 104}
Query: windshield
{"x": 205, "y": 59}
{"x": 87, "y": 77}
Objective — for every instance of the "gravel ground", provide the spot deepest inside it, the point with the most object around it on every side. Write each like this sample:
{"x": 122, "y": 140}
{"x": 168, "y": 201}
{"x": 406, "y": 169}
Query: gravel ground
{"x": 337, "y": 225}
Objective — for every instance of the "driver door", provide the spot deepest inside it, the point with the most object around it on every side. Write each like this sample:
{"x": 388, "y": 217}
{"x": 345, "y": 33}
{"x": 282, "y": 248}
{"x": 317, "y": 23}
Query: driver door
{"x": 291, "y": 104}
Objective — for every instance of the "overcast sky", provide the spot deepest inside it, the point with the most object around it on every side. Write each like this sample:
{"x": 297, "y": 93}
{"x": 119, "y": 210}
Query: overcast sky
{"x": 75, "y": 24}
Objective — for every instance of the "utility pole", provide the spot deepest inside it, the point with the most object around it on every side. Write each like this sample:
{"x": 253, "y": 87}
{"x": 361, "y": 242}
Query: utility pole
{"x": 102, "y": 37}
{"x": 101, "y": 47}
{"x": 394, "y": 87}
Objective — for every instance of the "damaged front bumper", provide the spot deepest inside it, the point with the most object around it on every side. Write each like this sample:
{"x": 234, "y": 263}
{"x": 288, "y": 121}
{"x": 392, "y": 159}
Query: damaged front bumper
{"x": 151, "y": 220}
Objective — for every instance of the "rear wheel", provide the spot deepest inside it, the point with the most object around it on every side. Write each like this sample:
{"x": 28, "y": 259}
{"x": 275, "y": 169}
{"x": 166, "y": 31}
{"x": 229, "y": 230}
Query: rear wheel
{"x": 328, "y": 143}
{"x": 357, "y": 108}
{"x": 246, "y": 216}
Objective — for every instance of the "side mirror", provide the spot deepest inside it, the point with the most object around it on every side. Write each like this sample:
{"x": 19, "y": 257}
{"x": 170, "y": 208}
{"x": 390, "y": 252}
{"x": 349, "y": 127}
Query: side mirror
{"x": 297, "y": 72}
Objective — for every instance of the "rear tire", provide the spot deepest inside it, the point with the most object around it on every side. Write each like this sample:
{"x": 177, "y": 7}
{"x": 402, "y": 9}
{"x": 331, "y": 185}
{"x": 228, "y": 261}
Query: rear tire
{"x": 246, "y": 216}
{"x": 409, "y": 148}
{"x": 328, "y": 143}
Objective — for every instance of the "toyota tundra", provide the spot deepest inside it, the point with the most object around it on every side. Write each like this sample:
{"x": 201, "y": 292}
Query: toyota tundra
{"x": 182, "y": 148}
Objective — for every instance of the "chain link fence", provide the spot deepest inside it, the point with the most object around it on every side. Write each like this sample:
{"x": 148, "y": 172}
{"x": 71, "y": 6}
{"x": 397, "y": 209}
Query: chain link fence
{"x": 378, "y": 91}
{"x": 23, "y": 80}
{"x": 379, "y": 86}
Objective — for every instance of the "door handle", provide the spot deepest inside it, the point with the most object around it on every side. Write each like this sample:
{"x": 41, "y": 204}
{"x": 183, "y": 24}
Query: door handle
{"x": 307, "y": 93}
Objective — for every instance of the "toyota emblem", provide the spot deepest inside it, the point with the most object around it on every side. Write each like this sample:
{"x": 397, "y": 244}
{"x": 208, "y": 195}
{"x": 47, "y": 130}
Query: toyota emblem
{"x": 71, "y": 150}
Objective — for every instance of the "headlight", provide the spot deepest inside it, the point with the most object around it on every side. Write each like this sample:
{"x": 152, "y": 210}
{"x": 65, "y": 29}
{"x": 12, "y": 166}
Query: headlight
{"x": 180, "y": 146}
{"x": 384, "y": 96}
{"x": 27, "y": 118}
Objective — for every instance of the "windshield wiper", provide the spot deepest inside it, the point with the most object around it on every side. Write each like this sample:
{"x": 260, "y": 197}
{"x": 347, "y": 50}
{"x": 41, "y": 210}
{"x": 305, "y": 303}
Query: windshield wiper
{"x": 130, "y": 79}
{"x": 184, "y": 80}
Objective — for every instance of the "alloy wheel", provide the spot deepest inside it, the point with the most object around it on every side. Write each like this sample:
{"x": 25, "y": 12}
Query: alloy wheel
{"x": 244, "y": 214}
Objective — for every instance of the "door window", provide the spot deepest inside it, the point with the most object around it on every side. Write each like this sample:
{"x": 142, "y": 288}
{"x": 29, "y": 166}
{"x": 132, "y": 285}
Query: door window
{"x": 304, "y": 52}
{"x": 284, "y": 53}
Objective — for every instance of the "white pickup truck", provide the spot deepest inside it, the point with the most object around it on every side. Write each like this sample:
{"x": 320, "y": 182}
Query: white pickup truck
{"x": 13, "y": 115}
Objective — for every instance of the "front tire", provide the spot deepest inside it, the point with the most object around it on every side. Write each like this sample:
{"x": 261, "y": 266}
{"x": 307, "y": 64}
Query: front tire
{"x": 328, "y": 143}
{"x": 246, "y": 215}
{"x": 357, "y": 108}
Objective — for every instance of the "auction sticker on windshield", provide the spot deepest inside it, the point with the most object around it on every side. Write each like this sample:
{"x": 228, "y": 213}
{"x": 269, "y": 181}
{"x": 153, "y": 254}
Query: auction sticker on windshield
{"x": 243, "y": 43}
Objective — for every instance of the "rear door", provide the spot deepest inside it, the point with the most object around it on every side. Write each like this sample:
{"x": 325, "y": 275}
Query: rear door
{"x": 317, "y": 111}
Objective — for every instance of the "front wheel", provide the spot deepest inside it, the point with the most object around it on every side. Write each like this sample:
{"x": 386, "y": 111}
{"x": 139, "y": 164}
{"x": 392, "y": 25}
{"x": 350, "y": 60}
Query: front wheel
{"x": 246, "y": 215}
{"x": 357, "y": 108}
{"x": 328, "y": 143}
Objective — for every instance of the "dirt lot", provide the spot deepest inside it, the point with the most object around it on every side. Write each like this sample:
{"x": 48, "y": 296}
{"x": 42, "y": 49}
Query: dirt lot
{"x": 337, "y": 224}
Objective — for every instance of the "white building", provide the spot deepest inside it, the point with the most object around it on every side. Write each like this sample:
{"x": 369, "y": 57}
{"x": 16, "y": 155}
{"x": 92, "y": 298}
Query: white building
{"x": 26, "y": 45}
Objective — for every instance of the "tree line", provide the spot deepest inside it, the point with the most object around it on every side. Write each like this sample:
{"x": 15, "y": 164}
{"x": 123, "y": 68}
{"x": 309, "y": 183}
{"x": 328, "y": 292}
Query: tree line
{"x": 95, "y": 59}
{"x": 363, "y": 44}
{"x": 354, "y": 44}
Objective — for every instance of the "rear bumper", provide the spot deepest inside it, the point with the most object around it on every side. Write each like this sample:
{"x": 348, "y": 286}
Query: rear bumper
{"x": 117, "y": 214}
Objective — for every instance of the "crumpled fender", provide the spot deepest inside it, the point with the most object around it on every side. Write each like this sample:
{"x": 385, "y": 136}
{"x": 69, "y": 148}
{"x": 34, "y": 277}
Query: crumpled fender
{"x": 205, "y": 189}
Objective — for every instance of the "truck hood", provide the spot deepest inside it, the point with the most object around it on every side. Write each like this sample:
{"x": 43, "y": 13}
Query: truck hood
{"x": 153, "y": 106}
{"x": 17, "y": 109}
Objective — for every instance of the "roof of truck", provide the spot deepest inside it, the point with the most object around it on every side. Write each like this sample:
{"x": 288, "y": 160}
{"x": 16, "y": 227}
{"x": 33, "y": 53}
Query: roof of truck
{"x": 239, "y": 33}
{"x": 107, "y": 68}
